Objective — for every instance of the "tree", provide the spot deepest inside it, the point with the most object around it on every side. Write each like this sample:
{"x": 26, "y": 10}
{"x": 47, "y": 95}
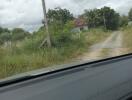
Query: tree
{"x": 105, "y": 16}
{"x": 5, "y": 37}
{"x": 64, "y": 36}
{"x": 130, "y": 14}
{"x": 59, "y": 14}
{"x": 3, "y": 30}
{"x": 124, "y": 20}
{"x": 110, "y": 18}
{"x": 93, "y": 17}
{"x": 57, "y": 20}
{"x": 19, "y": 34}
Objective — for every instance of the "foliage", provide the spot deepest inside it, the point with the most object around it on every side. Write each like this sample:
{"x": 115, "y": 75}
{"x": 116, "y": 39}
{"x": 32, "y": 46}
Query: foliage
{"x": 60, "y": 26}
{"x": 57, "y": 18}
{"x": 111, "y": 18}
{"x": 124, "y": 21}
{"x": 4, "y": 30}
{"x": 19, "y": 34}
{"x": 127, "y": 38}
{"x": 29, "y": 57}
{"x": 93, "y": 17}
{"x": 130, "y": 14}
{"x": 5, "y": 37}
{"x": 66, "y": 45}
{"x": 16, "y": 34}
{"x": 105, "y": 16}
{"x": 59, "y": 14}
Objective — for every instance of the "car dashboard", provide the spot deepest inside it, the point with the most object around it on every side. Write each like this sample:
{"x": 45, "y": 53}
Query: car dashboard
{"x": 109, "y": 79}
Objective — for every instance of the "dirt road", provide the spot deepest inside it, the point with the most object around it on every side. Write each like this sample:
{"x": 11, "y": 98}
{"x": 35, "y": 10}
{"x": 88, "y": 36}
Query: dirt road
{"x": 112, "y": 46}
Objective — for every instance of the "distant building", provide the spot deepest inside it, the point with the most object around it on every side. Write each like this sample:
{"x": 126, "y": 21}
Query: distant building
{"x": 80, "y": 25}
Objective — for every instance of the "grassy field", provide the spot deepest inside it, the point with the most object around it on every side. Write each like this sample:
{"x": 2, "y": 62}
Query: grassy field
{"x": 27, "y": 56}
{"x": 127, "y": 41}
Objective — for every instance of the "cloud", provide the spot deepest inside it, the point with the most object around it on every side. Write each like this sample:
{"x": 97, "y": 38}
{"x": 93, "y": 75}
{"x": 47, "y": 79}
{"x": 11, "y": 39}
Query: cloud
{"x": 20, "y": 13}
{"x": 28, "y": 14}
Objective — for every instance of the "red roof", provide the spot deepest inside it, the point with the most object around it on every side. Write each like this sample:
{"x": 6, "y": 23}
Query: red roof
{"x": 80, "y": 22}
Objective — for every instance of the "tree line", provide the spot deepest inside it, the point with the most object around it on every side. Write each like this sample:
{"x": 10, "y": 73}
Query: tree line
{"x": 61, "y": 21}
{"x": 14, "y": 35}
{"x": 106, "y": 17}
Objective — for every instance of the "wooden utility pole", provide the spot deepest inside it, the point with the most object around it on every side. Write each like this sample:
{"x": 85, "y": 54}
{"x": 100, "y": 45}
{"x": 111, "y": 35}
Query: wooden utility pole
{"x": 104, "y": 20}
{"x": 48, "y": 38}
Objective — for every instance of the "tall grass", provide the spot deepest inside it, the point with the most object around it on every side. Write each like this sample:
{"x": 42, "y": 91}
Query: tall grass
{"x": 29, "y": 57}
{"x": 127, "y": 41}
{"x": 96, "y": 35}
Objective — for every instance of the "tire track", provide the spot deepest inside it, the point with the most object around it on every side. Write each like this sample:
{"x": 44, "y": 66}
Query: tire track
{"x": 112, "y": 46}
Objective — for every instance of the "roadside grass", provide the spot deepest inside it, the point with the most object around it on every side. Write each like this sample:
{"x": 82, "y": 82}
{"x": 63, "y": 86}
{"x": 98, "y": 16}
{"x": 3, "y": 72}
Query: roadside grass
{"x": 97, "y": 35}
{"x": 127, "y": 38}
{"x": 105, "y": 53}
{"x": 28, "y": 56}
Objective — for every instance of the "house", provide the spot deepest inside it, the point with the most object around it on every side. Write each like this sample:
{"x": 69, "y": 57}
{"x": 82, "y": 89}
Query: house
{"x": 80, "y": 25}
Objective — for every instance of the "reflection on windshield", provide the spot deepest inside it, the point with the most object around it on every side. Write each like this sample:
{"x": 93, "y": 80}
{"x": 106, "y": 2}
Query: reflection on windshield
{"x": 39, "y": 34}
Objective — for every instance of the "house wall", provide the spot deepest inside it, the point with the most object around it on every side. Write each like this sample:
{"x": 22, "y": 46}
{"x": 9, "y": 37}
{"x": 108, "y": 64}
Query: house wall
{"x": 79, "y": 29}
{"x": 76, "y": 30}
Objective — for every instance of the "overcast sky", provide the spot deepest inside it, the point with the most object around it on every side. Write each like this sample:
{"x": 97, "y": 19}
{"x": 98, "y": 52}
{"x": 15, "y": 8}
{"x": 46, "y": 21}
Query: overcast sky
{"x": 28, "y": 14}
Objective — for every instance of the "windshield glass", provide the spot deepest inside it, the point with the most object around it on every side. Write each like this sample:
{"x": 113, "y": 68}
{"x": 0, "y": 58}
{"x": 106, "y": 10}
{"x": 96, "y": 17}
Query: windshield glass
{"x": 36, "y": 34}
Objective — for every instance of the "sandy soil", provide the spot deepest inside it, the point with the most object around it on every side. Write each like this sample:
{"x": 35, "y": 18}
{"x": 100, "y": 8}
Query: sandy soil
{"x": 112, "y": 46}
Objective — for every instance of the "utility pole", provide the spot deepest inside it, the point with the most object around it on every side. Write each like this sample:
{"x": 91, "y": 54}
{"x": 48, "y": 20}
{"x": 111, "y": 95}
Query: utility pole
{"x": 48, "y": 38}
{"x": 104, "y": 20}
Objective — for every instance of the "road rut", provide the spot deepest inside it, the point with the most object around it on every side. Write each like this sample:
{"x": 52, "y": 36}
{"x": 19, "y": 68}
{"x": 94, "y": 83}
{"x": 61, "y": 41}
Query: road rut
{"x": 112, "y": 46}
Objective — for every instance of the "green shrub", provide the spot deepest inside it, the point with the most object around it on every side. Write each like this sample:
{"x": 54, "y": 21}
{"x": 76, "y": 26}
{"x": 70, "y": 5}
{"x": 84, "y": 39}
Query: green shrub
{"x": 28, "y": 56}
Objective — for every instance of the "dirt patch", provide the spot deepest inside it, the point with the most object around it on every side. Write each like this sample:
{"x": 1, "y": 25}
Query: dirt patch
{"x": 112, "y": 46}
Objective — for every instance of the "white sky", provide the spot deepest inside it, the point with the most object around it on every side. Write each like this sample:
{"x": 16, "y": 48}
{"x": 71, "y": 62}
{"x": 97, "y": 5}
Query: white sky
{"x": 28, "y": 14}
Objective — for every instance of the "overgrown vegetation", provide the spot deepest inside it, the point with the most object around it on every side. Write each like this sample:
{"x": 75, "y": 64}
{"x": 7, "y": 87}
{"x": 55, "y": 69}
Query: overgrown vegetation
{"x": 127, "y": 38}
{"x": 106, "y": 17}
{"x": 28, "y": 57}
{"x": 20, "y": 52}
{"x": 130, "y": 14}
